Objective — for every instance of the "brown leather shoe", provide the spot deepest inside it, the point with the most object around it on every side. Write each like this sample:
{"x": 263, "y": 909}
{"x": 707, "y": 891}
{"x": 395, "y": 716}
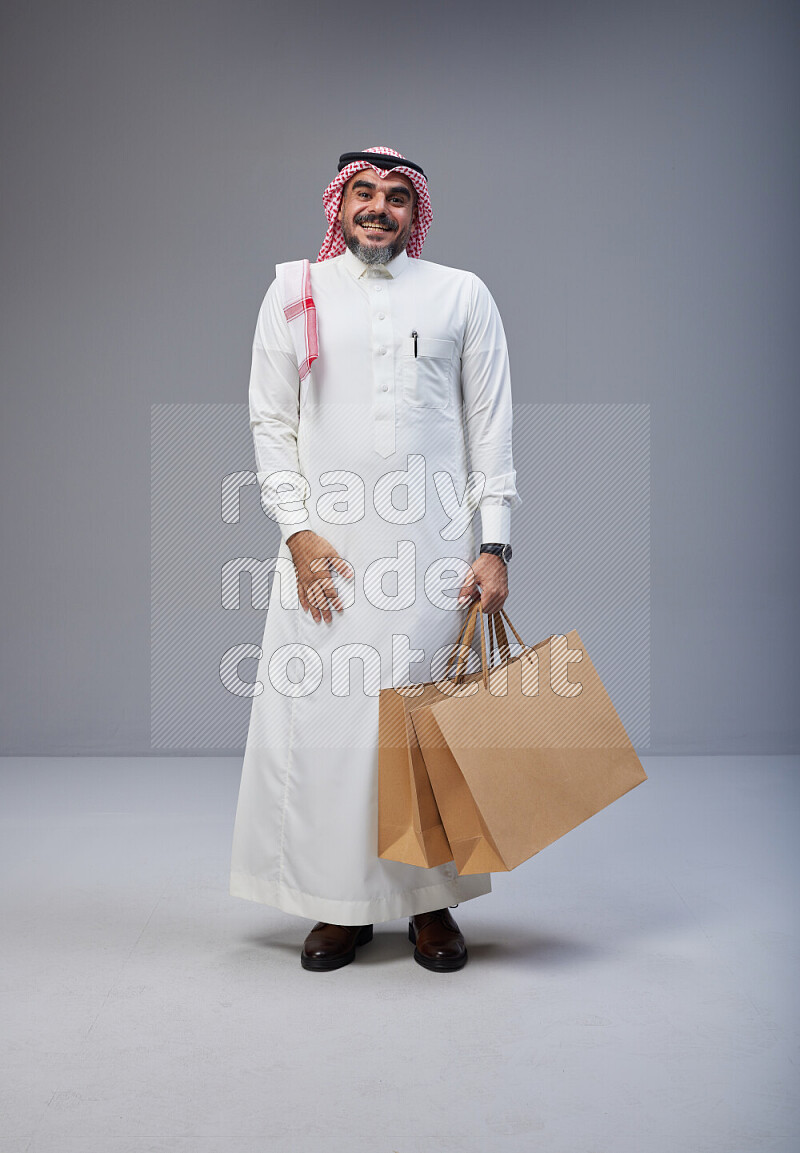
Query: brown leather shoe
{"x": 439, "y": 942}
{"x": 331, "y": 946}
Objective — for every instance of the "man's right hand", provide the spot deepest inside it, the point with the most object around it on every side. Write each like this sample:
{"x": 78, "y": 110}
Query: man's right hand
{"x": 315, "y": 560}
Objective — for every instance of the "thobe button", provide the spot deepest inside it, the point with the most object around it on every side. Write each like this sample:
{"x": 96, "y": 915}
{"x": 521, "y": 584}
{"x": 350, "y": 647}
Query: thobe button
{"x": 381, "y": 316}
{"x": 386, "y": 388}
{"x": 379, "y": 288}
{"x": 382, "y": 351}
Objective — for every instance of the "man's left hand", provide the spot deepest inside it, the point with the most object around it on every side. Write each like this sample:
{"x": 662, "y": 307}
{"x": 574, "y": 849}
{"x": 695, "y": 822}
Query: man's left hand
{"x": 491, "y": 574}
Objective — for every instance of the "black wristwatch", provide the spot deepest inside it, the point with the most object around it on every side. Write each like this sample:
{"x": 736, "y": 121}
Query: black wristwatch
{"x": 501, "y": 550}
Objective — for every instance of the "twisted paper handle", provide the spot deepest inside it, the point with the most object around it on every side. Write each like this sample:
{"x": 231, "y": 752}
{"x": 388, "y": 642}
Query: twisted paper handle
{"x": 460, "y": 654}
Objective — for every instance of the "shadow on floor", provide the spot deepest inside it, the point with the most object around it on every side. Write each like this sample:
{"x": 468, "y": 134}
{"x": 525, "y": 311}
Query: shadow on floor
{"x": 392, "y": 945}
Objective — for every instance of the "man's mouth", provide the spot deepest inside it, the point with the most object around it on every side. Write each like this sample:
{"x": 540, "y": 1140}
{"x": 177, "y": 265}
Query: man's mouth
{"x": 371, "y": 226}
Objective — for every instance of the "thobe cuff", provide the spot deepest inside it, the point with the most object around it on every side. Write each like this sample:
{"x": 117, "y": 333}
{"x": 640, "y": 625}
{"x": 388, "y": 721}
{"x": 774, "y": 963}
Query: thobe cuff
{"x": 495, "y": 524}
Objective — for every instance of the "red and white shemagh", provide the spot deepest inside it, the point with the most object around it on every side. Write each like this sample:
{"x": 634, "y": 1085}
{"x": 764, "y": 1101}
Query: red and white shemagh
{"x": 294, "y": 281}
{"x": 295, "y": 277}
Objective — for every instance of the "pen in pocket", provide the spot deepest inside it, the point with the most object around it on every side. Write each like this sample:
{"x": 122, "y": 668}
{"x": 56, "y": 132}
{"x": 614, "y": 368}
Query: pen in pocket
{"x": 414, "y": 334}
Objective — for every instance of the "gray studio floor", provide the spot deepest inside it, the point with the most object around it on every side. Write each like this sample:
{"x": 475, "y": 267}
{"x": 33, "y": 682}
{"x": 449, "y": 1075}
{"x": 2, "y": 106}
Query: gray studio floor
{"x": 631, "y": 989}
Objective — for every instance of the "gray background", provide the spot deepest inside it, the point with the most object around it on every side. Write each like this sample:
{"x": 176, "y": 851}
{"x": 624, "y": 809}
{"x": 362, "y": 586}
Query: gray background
{"x": 623, "y": 177}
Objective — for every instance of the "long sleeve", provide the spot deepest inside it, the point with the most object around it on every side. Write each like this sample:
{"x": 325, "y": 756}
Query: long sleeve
{"x": 486, "y": 392}
{"x": 275, "y": 418}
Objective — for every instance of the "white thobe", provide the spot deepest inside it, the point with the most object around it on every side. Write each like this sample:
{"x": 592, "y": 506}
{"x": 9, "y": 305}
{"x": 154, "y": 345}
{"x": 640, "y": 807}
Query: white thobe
{"x": 413, "y": 380}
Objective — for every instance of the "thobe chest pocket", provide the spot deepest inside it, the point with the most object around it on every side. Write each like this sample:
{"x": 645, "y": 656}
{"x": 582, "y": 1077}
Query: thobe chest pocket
{"x": 426, "y": 378}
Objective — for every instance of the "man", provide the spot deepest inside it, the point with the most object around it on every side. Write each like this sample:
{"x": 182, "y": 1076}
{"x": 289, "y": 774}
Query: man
{"x": 380, "y": 407}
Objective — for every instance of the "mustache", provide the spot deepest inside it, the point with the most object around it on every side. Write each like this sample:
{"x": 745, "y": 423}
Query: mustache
{"x": 383, "y": 221}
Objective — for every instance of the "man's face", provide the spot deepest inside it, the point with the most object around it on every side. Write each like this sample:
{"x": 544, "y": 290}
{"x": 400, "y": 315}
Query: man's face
{"x": 376, "y": 215}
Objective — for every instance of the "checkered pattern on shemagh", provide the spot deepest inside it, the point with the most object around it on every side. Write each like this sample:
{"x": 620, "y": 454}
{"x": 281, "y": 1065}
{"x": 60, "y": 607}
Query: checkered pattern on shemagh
{"x": 294, "y": 280}
{"x": 334, "y": 242}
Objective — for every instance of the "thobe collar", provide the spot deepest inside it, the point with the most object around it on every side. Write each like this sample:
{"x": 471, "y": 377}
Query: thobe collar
{"x": 390, "y": 271}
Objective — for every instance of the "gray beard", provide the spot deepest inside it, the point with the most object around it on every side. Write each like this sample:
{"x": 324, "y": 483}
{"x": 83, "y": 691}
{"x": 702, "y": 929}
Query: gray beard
{"x": 367, "y": 254}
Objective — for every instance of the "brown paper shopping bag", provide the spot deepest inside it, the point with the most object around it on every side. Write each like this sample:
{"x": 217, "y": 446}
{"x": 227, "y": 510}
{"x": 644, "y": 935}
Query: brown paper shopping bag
{"x": 520, "y": 753}
{"x": 409, "y": 825}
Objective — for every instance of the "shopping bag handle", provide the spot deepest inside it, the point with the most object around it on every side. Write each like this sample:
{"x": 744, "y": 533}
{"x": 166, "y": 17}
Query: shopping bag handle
{"x": 497, "y": 618}
{"x": 469, "y": 619}
{"x": 460, "y": 653}
{"x": 495, "y": 623}
{"x": 526, "y": 652}
{"x": 502, "y": 645}
{"x": 463, "y": 648}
